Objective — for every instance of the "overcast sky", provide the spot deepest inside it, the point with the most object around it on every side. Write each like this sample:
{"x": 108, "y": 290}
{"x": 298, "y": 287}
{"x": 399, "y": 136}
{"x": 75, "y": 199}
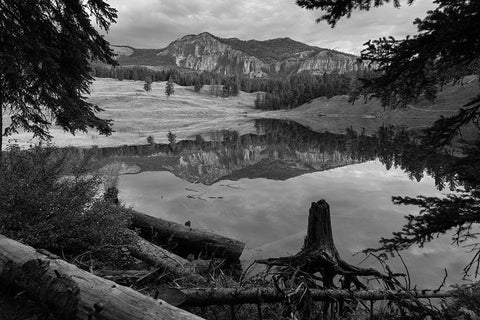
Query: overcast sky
{"x": 156, "y": 23}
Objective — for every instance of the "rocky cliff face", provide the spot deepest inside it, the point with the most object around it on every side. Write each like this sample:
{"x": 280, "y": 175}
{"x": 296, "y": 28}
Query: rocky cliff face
{"x": 206, "y": 52}
{"x": 255, "y": 161}
{"x": 123, "y": 50}
{"x": 327, "y": 61}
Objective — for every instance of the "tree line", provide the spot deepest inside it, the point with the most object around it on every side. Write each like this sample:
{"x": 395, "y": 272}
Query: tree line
{"x": 273, "y": 93}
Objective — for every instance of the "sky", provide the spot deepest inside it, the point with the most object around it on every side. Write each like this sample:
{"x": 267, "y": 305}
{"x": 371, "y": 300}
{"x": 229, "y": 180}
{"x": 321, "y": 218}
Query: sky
{"x": 156, "y": 23}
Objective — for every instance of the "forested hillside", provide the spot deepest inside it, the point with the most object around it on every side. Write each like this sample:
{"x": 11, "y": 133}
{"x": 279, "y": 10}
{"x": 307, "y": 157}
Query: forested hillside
{"x": 273, "y": 93}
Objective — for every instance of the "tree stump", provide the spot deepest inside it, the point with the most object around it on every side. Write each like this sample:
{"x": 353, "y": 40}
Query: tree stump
{"x": 319, "y": 254}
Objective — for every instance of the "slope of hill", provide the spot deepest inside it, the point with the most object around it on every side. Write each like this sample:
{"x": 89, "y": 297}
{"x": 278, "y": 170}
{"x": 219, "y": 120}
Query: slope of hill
{"x": 270, "y": 50}
{"x": 206, "y": 52}
{"x": 337, "y": 112}
{"x": 127, "y": 55}
{"x": 138, "y": 114}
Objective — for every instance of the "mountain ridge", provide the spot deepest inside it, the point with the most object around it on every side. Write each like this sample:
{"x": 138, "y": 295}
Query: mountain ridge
{"x": 232, "y": 56}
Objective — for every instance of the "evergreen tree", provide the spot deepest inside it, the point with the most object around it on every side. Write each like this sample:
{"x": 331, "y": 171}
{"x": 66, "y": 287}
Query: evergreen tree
{"x": 212, "y": 86}
{"x": 234, "y": 89}
{"x": 120, "y": 74}
{"x": 446, "y": 48}
{"x": 169, "y": 88}
{"x": 226, "y": 89}
{"x": 147, "y": 86}
{"x": 258, "y": 101}
{"x": 45, "y": 53}
{"x": 172, "y": 140}
{"x": 197, "y": 85}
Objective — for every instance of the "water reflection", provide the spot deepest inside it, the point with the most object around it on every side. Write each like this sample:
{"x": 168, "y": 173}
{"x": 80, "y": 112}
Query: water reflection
{"x": 271, "y": 215}
{"x": 280, "y": 150}
{"x": 258, "y": 188}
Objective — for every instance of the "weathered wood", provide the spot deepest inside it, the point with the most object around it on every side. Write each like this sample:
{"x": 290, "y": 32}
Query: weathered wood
{"x": 160, "y": 258}
{"x": 186, "y": 240}
{"x": 319, "y": 229}
{"x": 320, "y": 255}
{"x": 225, "y": 296}
{"x": 127, "y": 277}
{"x": 74, "y": 294}
{"x": 122, "y": 274}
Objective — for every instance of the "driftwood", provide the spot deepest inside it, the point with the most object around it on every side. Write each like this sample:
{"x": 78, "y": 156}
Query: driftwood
{"x": 186, "y": 240}
{"x": 319, "y": 254}
{"x": 169, "y": 262}
{"x": 126, "y": 277}
{"x": 74, "y": 294}
{"x": 121, "y": 274}
{"x": 202, "y": 297}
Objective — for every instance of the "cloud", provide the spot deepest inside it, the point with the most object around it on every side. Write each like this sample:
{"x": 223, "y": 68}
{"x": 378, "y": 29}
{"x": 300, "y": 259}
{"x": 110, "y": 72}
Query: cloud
{"x": 156, "y": 23}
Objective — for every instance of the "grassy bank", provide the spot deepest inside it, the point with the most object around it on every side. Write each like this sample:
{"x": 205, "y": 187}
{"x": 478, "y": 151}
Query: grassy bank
{"x": 138, "y": 114}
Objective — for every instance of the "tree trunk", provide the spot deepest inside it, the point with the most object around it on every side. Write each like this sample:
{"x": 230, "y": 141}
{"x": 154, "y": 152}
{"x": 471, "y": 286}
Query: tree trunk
{"x": 202, "y": 297}
{"x": 74, "y": 294}
{"x": 185, "y": 240}
{"x": 320, "y": 255}
{"x": 1, "y": 132}
{"x": 319, "y": 229}
{"x": 159, "y": 257}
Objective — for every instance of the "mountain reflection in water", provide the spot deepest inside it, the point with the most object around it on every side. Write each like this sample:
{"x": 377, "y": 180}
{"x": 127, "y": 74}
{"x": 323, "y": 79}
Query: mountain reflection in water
{"x": 258, "y": 188}
{"x": 279, "y": 151}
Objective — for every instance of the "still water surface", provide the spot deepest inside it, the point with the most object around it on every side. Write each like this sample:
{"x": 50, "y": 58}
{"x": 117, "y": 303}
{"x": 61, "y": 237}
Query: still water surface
{"x": 268, "y": 211}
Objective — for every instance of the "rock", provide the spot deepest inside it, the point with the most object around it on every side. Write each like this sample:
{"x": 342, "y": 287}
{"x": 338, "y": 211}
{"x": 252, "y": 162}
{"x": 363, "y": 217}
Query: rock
{"x": 206, "y": 52}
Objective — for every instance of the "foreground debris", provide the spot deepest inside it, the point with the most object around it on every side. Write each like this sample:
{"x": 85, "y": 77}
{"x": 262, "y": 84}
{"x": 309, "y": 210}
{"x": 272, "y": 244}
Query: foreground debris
{"x": 202, "y": 297}
{"x": 71, "y": 293}
{"x": 169, "y": 262}
{"x": 319, "y": 253}
{"x": 187, "y": 240}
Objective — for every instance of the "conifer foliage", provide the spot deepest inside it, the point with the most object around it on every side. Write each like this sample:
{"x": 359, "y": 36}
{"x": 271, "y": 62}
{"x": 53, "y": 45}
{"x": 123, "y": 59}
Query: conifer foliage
{"x": 45, "y": 52}
{"x": 279, "y": 93}
{"x": 446, "y": 48}
{"x": 147, "y": 86}
{"x": 169, "y": 88}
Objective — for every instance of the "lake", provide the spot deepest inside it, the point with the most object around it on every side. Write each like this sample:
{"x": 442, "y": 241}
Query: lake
{"x": 258, "y": 188}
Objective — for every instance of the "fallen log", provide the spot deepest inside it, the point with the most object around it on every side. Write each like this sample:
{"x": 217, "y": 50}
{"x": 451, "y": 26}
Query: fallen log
{"x": 186, "y": 240}
{"x": 169, "y": 262}
{"x": 74, "y": 294}
{"x": 122, "y": 276}
{"x": 201, "y": 297}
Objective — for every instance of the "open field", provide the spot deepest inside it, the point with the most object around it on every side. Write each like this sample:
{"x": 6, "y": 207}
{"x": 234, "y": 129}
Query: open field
{"x": 138, "y": 114}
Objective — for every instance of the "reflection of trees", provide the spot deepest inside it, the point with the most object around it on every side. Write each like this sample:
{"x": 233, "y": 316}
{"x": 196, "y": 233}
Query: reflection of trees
{"x": 279, "y": 150}
{"x": 458, "y": 211}
{"x": 397, "y": 148}
{"x": 293, "y": 148}
{"x": 296, "y": 137}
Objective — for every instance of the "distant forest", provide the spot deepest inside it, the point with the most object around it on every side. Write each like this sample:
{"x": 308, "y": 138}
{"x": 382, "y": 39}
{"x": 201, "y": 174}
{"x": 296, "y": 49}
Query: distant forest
{"x": 273, "y": 93}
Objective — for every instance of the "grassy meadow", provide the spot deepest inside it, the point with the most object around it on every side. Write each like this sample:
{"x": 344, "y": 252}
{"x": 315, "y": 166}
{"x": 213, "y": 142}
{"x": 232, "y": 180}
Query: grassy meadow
{"x": 138, "y": 114}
